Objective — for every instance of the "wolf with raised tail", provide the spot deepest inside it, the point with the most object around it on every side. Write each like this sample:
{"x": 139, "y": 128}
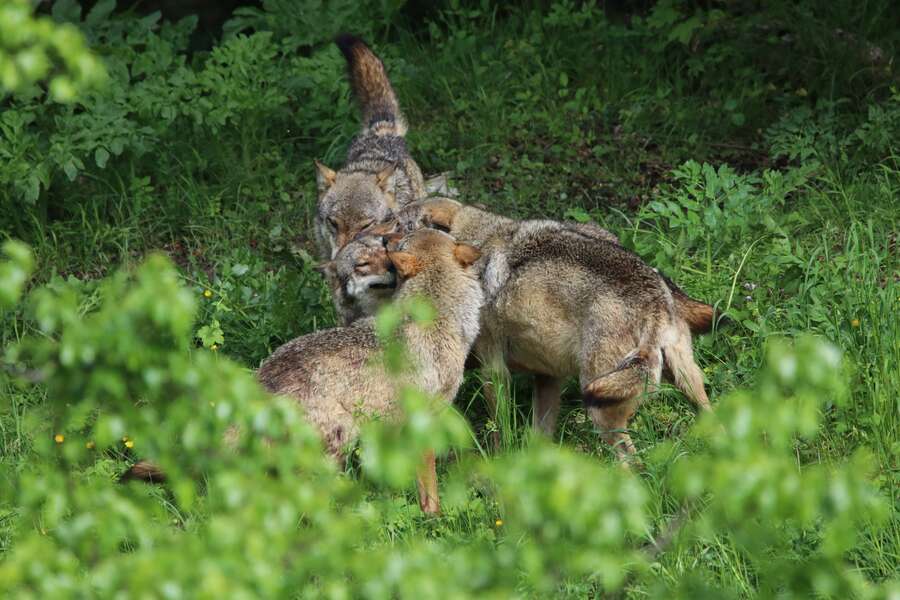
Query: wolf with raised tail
{"x": 379, "y": 176}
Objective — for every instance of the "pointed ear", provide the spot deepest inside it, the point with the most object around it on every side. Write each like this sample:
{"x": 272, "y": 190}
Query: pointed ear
{"x": 325, "y": 269}
{"x": 407, "y": 264}
{"x": 465, "y": 254}
{"x": 324, "y": 177}
{"x": 385, "y": 178}
{"x": 440, "y": 217}
{"x": 391, "y": 239}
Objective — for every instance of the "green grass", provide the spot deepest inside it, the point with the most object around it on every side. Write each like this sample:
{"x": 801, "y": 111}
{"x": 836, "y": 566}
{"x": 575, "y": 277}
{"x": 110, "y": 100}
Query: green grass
{"x": 546, "y": 119}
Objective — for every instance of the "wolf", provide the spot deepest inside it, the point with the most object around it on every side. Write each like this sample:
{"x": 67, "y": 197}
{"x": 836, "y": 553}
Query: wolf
{"x": 564, "y": 299}
{"x": 379, "y": 175}
{"x": 335, "y": 374}
{"x": 569, "y": 305}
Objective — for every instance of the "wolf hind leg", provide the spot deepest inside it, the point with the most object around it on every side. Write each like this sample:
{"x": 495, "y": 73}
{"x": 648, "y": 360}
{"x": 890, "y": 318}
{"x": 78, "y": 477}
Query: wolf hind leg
{"x": 612, "y": 399}
{"x": 545, "y": 403}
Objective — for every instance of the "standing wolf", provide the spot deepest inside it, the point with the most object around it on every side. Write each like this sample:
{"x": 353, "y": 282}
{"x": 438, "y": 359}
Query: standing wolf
{"x": 379, "y": 175}
{"x": 563, "y": 300}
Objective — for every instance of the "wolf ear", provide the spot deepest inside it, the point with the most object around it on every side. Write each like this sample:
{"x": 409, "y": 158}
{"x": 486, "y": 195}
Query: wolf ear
{"x": 439, "y": 217}
{"x": 385, "y": 178}
{"x": 387, "y": 183}
{"x": 407, "y": 264}
{"x": 325, "y": 269}
{"x": 324, "y": 177}
{"x": 465, "y": 254}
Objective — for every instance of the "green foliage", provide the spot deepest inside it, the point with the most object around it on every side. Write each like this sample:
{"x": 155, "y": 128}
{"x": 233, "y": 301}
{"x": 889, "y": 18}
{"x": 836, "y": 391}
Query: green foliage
{"x": 14, "y": 272}
{"x": 35, "y": 49}
{"x": 122, "y": 379}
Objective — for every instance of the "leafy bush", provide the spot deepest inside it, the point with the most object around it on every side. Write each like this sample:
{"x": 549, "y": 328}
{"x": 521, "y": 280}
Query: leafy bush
{"x": 122, "y": 380}
{"x": 34, "y": 49}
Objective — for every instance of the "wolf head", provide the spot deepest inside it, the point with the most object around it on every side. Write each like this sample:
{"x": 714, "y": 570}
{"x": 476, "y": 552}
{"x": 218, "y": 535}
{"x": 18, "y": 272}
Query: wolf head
{"x": 427, "y": 250}
{"x": 349, "y": 202}
{"x": 432, "y": 264}
{"x": 361, "y": 278}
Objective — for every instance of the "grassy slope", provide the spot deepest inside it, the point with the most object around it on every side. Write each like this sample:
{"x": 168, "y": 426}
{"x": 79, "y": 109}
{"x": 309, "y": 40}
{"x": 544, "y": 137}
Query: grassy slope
{"x": 538, "y": 119}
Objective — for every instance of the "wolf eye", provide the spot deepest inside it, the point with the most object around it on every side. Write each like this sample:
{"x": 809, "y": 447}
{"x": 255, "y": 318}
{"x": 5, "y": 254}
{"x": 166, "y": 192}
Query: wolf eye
{"x": 332, "y": 223}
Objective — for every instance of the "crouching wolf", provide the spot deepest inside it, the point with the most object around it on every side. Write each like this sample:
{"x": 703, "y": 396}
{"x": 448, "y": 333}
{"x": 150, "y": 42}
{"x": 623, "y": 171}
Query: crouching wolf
{"x": 379, "y": 175}
{"x": 336, "y": 374}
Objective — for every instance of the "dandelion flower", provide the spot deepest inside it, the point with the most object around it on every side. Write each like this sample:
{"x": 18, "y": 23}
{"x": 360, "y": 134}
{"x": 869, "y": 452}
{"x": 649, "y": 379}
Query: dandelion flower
{"x": 498, "y": 523}
{"x": 207, "y": 294}
{"x": 59, "y": 438}
{"x": 854, "y": 323}
{"x": 129, "y": 444}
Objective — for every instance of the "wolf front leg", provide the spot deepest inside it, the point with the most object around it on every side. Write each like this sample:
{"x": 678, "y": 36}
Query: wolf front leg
{"x": 426, "y": 482}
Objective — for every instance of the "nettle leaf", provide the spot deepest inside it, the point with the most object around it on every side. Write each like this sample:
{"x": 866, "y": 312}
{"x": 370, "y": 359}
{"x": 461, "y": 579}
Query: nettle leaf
{"x": 211, "y": 334}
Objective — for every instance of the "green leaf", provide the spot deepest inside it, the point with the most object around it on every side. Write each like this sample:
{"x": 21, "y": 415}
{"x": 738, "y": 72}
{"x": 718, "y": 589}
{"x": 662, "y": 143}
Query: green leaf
{"x": 71, "y": 169}
{"x": 211, "y": 334}
{"x": 101, "y": 156}
{"x": 66, "y": 11}
{"x": 100, "y": 12}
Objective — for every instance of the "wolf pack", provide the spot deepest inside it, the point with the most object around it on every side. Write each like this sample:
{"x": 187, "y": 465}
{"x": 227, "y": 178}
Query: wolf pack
{"x": 551, "y": 299}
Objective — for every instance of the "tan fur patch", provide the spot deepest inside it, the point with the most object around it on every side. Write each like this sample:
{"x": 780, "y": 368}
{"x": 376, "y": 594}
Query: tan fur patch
{"x": 441, "y": 214}
{"x": 325, "y": 177}
{"x": 465, "y": 254}
{"x": 407, "y": 265}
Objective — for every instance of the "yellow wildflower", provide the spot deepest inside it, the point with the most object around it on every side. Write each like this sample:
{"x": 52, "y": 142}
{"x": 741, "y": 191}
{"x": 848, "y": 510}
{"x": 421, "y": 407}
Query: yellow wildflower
{"x": 498, "y": 523}
{"x": 854, "y": 323}
{"x": 207, "y": 294}
{"x": 129, "y": 444}
{"x": 89, "y": 445}
{"x": 214, "y": 347}
{"x": 59, "y": 438}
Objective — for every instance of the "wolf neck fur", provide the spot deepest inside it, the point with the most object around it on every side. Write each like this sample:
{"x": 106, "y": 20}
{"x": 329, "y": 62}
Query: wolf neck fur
{"x": 439, "y": 349}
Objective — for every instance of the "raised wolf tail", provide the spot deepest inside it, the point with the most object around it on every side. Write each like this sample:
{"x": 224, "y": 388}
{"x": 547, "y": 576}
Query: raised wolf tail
{"x": 699, "y": 316}
{"x": 371, "y": 87}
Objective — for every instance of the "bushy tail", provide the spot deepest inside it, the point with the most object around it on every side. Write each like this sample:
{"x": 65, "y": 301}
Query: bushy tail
{"x": 678, "y": 358}
{"x": 698, "y": 315}
{"x": 144, "y": 471}
{"x": 372, "y": 88}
